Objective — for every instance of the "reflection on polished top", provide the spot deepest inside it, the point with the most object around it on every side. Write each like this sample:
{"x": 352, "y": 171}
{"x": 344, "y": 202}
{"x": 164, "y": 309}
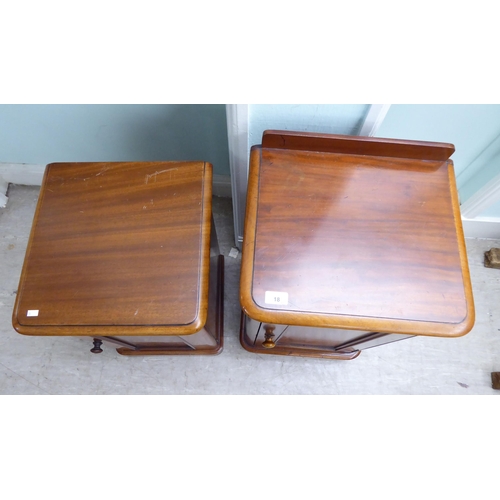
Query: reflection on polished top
{"x": 357, "y": 233}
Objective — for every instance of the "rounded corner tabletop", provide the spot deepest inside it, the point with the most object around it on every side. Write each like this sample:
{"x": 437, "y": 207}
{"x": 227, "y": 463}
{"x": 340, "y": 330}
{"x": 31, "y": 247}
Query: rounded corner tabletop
{"x": 351, "y": 242}
{"x": 126, "y": 253}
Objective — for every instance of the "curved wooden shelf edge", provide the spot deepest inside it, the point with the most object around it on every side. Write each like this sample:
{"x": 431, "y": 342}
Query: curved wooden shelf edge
{"x": 357, "y": 145}
{"x": 106, "y": 330}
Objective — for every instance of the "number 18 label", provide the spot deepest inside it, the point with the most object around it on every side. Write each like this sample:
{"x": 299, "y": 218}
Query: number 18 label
{"x": 277, "y": 298}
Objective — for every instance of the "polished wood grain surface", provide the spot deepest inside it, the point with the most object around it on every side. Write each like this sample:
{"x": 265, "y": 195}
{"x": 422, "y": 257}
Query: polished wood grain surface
{"x": 118, "y": 244}
{"x": 356, "y": 241}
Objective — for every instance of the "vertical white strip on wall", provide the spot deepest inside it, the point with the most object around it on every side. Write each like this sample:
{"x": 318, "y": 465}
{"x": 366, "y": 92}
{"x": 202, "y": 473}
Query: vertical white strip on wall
{"x": 237, "y": 131}
{"x": 374, "y": 119}
{"x": 239, "y": 152}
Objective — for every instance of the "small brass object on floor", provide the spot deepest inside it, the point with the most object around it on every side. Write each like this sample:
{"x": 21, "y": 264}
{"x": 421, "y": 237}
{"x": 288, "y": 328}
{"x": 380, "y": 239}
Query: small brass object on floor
{"x": 492, "y": 258}
{"x": 495, "y": 380}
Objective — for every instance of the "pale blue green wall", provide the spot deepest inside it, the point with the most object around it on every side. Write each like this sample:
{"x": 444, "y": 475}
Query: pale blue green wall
{"x": 325, "y": 118}
{"x": 43, "y": 134}
{"x": 472, "y": 128}
{"x": 493, "y": 211}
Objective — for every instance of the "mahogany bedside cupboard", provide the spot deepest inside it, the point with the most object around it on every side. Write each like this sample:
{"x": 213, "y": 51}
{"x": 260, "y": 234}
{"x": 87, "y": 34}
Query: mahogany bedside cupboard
{"x": 125, "y": 253}
{"x": 349, "y": 243}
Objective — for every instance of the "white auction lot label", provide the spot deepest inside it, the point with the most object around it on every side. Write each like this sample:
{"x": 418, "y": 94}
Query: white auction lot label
{"x": 279, "y": 298}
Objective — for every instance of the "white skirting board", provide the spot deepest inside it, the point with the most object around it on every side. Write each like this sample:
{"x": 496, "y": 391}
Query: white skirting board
{"x": 19, "y": 173}
{"x": 482, "y": 227}
{"x": 27, "y": 174}
{"x": 221, "y": 186}
{"x": 4, "y": 185}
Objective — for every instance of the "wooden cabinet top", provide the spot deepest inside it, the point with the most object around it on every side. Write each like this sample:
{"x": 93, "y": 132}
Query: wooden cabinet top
{"x": 118, "y": 248}
{"x": 355, "y": 232}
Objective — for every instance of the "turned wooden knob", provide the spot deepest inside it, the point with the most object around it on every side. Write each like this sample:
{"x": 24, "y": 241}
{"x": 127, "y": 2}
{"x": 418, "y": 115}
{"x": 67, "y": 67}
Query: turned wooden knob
{"x": 269, "y": 334}
{"x": 97, "y": 346}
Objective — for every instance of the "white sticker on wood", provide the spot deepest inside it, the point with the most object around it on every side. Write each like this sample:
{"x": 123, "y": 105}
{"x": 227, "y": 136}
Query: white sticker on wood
{"x": 276, "y": 298}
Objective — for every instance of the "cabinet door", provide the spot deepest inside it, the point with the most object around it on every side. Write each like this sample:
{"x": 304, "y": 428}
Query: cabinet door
{"x": 320, "y": 338}
{"x": 301, "y": 336}
{"x": 317, "y": 338}
{"x": 372, "y": 340}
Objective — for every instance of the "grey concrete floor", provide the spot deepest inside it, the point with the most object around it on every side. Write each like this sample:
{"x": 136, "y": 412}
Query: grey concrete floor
{"x": 64, "y": 365}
